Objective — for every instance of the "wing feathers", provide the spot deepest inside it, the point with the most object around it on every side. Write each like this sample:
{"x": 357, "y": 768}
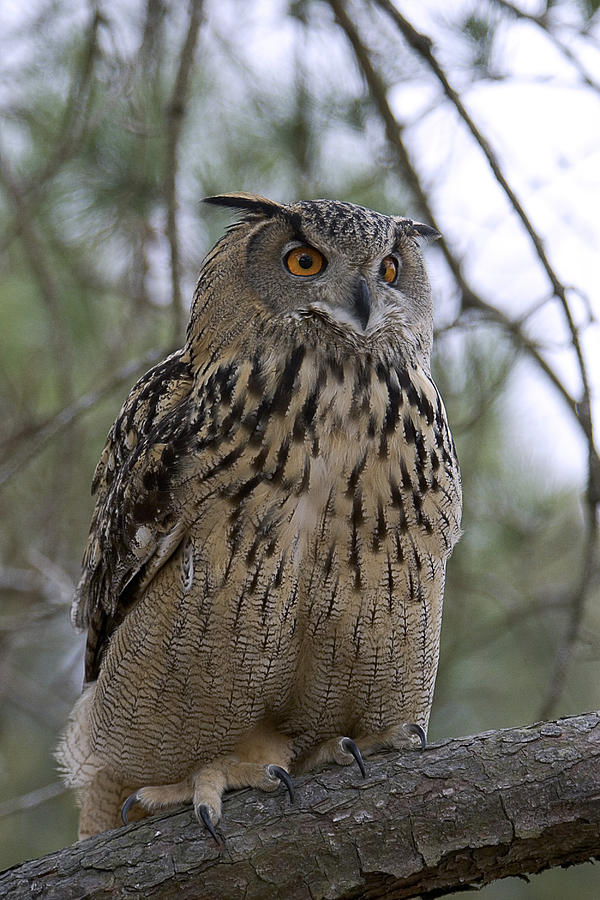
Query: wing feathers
{"x": 136, "y": 525}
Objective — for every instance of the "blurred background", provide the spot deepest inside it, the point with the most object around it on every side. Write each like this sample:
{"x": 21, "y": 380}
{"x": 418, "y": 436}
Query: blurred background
{"x": 479, "y": 117}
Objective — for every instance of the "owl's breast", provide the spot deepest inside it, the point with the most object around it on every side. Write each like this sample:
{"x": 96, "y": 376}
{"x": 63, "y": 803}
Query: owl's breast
{"x": 333, "y": 473}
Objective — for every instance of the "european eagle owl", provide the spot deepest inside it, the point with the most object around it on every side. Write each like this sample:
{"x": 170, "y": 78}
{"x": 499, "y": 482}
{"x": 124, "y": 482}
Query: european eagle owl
{"x": 262, "y": 585}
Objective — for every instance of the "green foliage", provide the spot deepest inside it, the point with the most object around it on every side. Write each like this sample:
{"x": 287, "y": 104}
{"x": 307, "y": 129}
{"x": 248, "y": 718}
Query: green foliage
{"x": 589, "y": 8}
{"x": 480, "y": 32}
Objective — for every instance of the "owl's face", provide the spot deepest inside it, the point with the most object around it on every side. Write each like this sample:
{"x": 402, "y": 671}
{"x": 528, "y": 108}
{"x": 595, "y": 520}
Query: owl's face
{"x": 357, "y": 271}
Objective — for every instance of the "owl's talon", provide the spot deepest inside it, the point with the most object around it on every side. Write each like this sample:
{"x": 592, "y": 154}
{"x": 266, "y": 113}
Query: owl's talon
{"x": 203, "y": 815}
{"x": 131, "y": 801}
{"x": 277, "y": 772}
{"x": 413, "y": 728}
{"x": 349, "y": 746}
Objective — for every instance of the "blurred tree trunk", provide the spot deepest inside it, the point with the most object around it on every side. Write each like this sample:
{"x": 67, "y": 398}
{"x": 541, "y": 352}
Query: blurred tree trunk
{"x": 463, "y": 812}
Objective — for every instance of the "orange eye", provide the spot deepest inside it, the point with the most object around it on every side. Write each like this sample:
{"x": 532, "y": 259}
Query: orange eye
{"x": 304, "y": 261}
{"x": 389, "y": 269}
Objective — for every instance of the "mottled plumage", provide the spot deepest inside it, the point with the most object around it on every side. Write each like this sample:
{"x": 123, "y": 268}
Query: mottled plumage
{"x": 276, "y": 503}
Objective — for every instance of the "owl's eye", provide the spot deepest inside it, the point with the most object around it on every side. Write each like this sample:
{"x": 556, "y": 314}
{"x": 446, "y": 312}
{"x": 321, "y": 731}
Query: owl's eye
{"x": 389, "y": 269}
{"x": 304, "y": 261}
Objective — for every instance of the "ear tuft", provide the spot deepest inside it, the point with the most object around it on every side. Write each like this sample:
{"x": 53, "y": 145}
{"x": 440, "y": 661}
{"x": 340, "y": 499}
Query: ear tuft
{"x": 253, "y": 203}
{"x": 426, "y": 231}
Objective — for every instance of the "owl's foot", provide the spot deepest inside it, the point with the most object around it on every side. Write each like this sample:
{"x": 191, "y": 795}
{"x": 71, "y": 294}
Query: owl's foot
{"x": 227, "y": 773}
{"x": 395, "y": 738}
{"x": 156, "y": 797}
{"x": 246, "y": 767}
{"x": 206, "y": 787}
{"x": 341, "y": 750}
{"x": 344, "y": 751}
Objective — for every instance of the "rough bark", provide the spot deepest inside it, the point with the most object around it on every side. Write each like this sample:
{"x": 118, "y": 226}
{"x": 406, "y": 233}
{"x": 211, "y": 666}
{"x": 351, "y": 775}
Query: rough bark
{"x": 463, "y": 812}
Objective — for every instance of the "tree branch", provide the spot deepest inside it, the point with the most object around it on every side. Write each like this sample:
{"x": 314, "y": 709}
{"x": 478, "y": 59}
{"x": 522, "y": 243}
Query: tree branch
{"x": 31, "y": 799}
{"x": 543, "y": 23}
{"x": 174, "y": 122}
{"x": 463, "y": 812}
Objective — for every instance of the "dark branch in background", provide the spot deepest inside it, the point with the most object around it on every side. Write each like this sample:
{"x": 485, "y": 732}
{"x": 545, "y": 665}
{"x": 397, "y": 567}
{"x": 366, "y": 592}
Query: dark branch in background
{"x": 459, "y": 814}
{"x": 152, "y": 47}
{"x": 174, "y": 121}
{"x": 42, "y": 433}
{"x": 581, "y": 409}
{"x": 77, "y": 109}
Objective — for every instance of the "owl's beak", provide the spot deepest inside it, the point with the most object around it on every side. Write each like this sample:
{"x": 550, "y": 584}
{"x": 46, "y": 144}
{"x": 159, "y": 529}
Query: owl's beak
{"x": 361, "y": 301}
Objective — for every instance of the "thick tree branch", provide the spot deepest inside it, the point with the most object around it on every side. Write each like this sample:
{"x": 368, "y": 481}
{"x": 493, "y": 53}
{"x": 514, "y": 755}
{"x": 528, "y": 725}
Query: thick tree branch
{"x": 463, "y": 812}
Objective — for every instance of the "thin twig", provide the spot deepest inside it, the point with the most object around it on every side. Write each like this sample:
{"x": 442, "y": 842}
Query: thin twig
{"x": 174, "y": 122}
{"x": 32, "y": 799}
{"x": 543, "y": 23}
{"x": 76, "y": 111}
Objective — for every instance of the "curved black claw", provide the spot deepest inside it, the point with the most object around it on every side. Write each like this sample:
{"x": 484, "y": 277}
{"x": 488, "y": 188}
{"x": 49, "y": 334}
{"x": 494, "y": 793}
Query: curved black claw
{"x": 203, "y": 814}
{"x": 284, "y": 777}
{"x": 349, "y": 746}
{"x": 131, "y": 801}
{"x": 413, "y": 728}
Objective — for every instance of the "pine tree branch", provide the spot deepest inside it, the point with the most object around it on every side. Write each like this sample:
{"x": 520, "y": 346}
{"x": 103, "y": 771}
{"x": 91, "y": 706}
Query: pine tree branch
{"x": 173, "y": 127}
{"x": 463, "y": 812}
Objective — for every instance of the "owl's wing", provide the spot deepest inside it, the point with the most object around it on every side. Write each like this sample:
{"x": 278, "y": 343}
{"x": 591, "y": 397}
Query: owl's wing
{"x": 136, "y": 525}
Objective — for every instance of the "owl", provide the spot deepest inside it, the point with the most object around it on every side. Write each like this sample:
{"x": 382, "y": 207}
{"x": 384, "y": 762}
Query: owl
{"x": 275, "y": 505}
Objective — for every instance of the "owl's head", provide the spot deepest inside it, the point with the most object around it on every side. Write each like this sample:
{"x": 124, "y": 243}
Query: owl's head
{"x": 355, "y": 274}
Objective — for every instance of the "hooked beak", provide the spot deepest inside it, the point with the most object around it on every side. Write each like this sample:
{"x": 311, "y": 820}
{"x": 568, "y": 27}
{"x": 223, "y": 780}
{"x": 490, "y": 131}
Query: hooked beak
{"x": 360, "y": 303}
